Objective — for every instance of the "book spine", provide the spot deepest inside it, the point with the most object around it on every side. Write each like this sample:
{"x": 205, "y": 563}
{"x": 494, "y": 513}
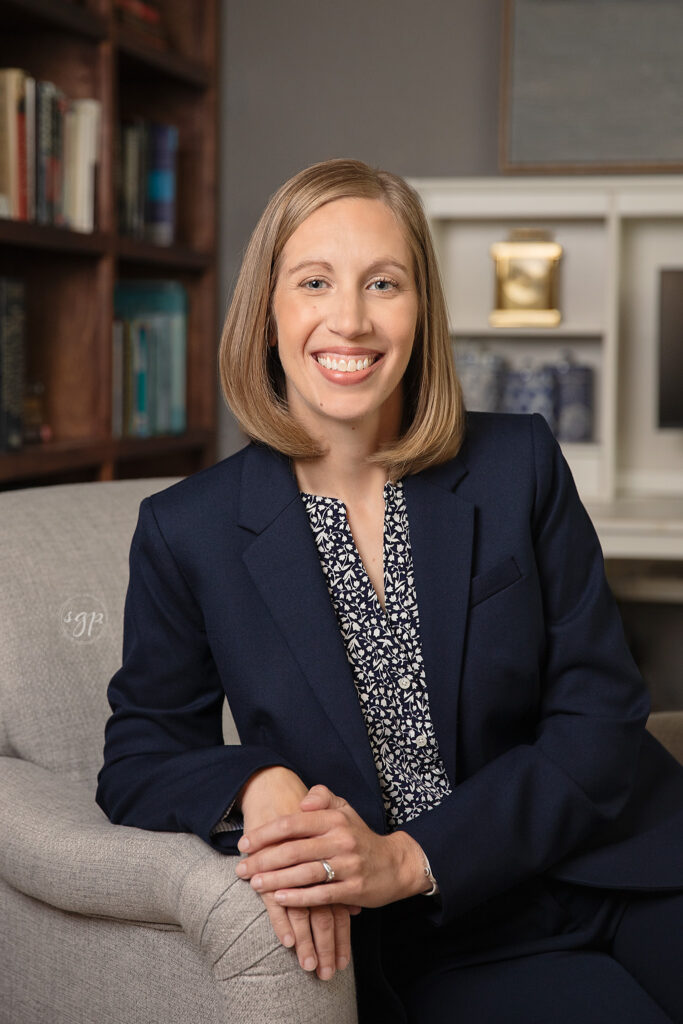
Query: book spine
{"x": 44, "y": 92}
{"x": 40, "y": 155}
{"x": 30, "y": 108}
{"x": 141, "y": 187}
{"x": 59, "y": 113}
{"x": 15, "y": 154}
{"x": 128, "y": 379}
{"x": 5, "y": 155}
{"x": 178, "y": 361}
{"x": 12, "y": 356}
{"x": 140, "y": 353}
{"x": 117, "y": 378}
{"x": 21, "y": 203}
{"x": 161, "y": 183}
{"x": 70, "y": 168}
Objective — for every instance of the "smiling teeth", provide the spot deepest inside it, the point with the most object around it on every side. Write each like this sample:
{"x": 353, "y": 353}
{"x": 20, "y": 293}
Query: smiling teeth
{"x": 346, "y": 366}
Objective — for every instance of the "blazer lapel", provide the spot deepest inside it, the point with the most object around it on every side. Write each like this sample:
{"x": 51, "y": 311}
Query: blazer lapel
{"x": 441, "y": 538}
{"x": 284, "y": 564}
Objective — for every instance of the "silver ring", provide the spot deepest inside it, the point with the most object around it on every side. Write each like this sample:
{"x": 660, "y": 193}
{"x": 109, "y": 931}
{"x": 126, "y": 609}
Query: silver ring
{"x": 329, "y": 871}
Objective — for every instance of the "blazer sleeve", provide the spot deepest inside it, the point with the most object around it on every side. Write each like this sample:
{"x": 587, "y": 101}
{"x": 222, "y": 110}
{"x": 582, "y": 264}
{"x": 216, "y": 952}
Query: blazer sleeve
{"x": 537, "y": 803}
{"x": 165, "y": 765}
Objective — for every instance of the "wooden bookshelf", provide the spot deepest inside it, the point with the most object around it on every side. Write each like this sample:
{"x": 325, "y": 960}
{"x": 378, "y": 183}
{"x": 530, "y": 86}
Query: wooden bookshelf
{"x": 70, "y": 276}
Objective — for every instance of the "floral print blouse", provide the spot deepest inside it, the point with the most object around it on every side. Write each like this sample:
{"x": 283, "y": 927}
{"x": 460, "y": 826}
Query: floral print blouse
{"x": 383, "y": 648}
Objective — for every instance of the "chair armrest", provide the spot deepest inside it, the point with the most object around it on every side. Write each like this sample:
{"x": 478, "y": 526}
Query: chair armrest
{"x": 60, "y": 848}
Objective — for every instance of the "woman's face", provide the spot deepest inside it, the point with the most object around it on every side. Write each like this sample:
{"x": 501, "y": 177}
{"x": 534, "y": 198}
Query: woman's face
{"x": 345, "y": 307}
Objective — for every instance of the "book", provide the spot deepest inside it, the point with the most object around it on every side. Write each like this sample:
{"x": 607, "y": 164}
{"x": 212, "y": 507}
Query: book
{"x": 12, "y": 360}
{"x": 60, "y": 106}
{"x": 43, "y": 134}
{"x": 149, "y": 353}
{"x": 30, "y": 132}
{"x": 80, "y": 155}
{"x": 12, "y": 148}
{"x": 162, "y": 149}
{"x": 130, "y": 176}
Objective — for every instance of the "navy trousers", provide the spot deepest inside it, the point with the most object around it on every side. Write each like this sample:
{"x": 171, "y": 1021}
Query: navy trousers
{"x": 550, "y": 952}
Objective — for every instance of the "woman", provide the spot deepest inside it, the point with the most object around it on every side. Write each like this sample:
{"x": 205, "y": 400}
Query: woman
{"x": 442, "y": 730}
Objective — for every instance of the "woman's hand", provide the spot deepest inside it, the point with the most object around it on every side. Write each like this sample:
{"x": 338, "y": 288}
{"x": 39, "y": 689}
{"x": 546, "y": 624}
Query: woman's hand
{"x": 286, "y": 855}
{"x": 320, "y": 935}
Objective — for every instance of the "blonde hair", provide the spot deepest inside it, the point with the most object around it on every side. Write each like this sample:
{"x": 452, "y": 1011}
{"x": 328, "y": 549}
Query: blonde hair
{"x": 251, "y": 376}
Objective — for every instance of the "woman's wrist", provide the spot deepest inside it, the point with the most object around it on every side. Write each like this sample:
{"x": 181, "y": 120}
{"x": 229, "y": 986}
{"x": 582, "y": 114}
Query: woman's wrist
{"x": 411, "y": 862}
{"x": 273, "y": 784}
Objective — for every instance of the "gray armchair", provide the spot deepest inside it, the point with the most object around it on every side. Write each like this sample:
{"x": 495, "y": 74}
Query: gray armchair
{"x": 101, "y": 922}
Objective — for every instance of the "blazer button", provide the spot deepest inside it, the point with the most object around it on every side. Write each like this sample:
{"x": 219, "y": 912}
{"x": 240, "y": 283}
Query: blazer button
{"x": 404, "y": 682}
{"x": 421, "y": 741}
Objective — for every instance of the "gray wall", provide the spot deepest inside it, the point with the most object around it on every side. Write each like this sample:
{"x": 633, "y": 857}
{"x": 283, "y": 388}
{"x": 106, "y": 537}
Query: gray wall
{"x": 409, "y": 85}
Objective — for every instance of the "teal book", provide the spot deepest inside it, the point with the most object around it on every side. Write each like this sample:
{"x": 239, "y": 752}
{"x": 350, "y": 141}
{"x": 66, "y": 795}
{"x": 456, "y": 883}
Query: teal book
{"x": 158, "y": 309}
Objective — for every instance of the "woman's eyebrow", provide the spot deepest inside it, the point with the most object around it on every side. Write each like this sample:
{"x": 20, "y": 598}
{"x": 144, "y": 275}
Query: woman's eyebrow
{"x": 383, "y": 261}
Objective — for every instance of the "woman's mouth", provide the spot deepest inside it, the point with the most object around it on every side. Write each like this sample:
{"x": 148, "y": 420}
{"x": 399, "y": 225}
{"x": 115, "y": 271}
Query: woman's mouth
{"x": 342, "y": 364}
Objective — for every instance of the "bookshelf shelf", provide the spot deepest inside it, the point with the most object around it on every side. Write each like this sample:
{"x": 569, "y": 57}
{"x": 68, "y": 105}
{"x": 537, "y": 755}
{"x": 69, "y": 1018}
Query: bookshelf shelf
{"x": 55, "y": 457}
{"x": 72, "y": 362}
{"x": 26, "y": 235}
{"x": 64, "y": 15}
{"x": 175, "y": 257}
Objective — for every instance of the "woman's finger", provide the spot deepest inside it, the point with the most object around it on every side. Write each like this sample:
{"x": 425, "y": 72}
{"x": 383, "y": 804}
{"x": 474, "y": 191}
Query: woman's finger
{"x": 285, "y": 855}
{"x": 300, "y": 921}
{"x": 342, "y": 936}
{"x": 314, "y": 895}
{"x": 312, "y": 873}
{"x": 303, "y": 824}
{"x": 279, "y": 919}
{"x": 323, "y": 929}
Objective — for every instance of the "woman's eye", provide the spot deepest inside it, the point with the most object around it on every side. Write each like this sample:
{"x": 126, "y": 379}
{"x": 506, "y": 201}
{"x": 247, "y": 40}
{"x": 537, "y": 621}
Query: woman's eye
{"x": 384, "y": 284}
{"x": 315, "y": 284}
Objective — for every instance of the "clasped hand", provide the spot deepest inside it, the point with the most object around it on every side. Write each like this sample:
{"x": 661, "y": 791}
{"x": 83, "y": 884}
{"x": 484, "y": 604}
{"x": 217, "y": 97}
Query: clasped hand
{"x": 284, "y": 864}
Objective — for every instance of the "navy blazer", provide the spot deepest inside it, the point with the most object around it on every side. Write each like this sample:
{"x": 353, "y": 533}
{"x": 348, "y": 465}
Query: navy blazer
{"x": 538, "y": 708}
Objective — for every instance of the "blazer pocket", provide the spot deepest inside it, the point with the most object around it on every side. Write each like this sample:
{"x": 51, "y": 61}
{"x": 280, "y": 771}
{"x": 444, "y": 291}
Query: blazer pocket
{"x": 488, "y": 583}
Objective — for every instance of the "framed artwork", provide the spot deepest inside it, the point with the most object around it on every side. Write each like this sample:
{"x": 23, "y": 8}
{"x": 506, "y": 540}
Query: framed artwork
{"x": 671, "y": 349}
{"x": 592, "y": 86}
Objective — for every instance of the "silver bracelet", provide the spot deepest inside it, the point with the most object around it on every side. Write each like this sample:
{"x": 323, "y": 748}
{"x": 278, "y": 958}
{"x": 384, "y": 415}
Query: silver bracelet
{"x": 429, "y": 877}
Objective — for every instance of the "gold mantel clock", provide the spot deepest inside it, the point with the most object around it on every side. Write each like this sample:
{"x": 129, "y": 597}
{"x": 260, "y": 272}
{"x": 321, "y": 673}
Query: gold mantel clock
{"x": 527, "y": 272}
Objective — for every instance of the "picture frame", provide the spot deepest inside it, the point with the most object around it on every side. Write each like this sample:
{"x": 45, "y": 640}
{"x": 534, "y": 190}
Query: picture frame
{"x": 591, "y": 86}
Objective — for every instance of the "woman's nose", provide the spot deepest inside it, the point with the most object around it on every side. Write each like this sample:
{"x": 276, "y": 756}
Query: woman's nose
{"x": 347, "y": 315}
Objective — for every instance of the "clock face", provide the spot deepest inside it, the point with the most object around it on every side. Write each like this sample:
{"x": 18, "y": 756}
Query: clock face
{"x": 525, "y": 286}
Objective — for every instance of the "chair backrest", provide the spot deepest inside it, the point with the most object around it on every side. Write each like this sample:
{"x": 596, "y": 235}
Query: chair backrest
{"x": 63, "y": 578}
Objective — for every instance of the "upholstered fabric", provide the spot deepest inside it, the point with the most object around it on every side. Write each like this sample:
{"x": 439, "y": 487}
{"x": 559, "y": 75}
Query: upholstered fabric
{"x": 103, "y": 922}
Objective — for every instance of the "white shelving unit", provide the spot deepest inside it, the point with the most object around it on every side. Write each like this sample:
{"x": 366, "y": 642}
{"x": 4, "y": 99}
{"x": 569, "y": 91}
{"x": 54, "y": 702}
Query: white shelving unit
{"x": 616, "y": 234}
